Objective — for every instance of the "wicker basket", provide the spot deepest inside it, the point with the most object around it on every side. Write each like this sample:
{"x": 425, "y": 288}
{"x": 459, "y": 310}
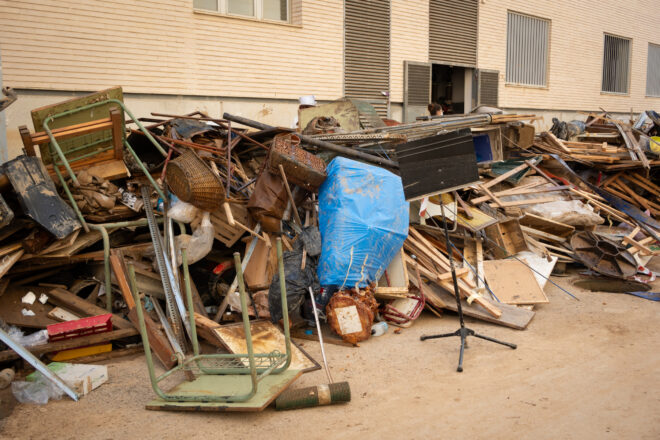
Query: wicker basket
{"x": 301, "y": 167}
{"x": 192, "y": 181}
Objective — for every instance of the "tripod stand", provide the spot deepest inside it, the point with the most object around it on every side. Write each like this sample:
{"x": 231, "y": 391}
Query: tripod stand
{"x": 463, "y": 331}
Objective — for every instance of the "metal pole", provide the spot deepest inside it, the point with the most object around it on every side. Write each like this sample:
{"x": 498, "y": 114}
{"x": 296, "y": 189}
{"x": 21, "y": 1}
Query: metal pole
{"x": 37, "y": 364}
{"x": 355, "y": 154}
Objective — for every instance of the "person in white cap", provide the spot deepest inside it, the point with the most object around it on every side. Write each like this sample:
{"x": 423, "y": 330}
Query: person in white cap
{"x": 304, "y": 102}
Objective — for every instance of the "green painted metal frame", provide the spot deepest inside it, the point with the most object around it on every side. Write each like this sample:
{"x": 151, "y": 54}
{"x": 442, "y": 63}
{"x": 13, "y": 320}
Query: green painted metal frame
{"x": 102, "y": 228}
{"x": 278, "y": 362}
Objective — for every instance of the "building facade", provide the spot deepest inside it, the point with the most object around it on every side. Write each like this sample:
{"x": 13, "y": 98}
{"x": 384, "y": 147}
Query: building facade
{"x": 256, "y": 57}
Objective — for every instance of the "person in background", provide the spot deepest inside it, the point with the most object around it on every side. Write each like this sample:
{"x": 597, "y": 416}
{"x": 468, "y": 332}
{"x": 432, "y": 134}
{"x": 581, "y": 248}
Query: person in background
{"x": 306, "y": 101}
{"x": 435, "y": 109}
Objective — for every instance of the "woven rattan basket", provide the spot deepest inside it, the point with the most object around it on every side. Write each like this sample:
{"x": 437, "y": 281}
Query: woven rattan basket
{"x": 192, "y": 181}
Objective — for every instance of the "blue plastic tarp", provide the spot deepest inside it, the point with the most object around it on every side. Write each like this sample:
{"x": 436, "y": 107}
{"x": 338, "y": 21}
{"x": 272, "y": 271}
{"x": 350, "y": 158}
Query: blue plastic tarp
{"x": 363, "y": 219}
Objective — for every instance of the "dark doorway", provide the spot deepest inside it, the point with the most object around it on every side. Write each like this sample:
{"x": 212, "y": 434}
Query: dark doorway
{"x": 448, "y": 88}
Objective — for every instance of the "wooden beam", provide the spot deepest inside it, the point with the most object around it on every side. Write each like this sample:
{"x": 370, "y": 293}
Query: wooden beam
{"x": 505, "y": 176}
{"x": 72, "y": 302}
{"x": 67, "y": 344}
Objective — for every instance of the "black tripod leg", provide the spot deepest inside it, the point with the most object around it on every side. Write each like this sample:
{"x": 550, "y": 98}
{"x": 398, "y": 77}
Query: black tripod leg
{"x": 497, "y": 341}
{"x": 444, "y": 335}
{"x": 460, "y": 356}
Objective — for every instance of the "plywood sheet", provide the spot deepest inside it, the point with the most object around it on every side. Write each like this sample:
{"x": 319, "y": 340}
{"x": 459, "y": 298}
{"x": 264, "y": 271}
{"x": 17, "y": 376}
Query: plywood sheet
{"x": 513, "y": 282}
{"x": 512, "y": 316}
{"x": 265, "y": 338}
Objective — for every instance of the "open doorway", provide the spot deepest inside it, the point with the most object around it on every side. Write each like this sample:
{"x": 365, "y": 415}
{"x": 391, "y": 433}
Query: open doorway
{"x": 451, "y": 87}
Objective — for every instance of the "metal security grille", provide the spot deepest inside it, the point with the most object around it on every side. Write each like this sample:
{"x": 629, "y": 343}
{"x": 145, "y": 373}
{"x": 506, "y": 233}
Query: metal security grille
{"x": 653, "y": 71}
{"x": 417, "y": 83}
{"x": 488, "y": 83}
{"x": 367, "y": 51}
{"x": 527, "y": 49}
{"x": 616, "y": 64}
{"x": 453, "y": 26}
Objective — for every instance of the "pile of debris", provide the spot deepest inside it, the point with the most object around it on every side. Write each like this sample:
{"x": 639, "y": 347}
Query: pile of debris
{"x": 120, "y": 221}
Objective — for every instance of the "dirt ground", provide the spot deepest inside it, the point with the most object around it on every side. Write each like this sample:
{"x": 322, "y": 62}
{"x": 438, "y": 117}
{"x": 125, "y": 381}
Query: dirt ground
{"x": 583, "y": 370}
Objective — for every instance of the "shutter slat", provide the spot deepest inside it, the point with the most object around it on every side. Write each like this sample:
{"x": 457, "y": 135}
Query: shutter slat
{"x": 453, "y": 26}
{"x": 488, "y": 88}
{"x": 367, "y": 51}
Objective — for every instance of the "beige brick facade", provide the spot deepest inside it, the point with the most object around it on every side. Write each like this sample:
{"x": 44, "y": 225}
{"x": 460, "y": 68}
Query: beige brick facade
{"x": 576, "y": 52}
{"x": 409, "y": 40}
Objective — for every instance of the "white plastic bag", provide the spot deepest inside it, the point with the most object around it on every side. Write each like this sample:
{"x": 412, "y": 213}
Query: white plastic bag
{"x": 199, "y": 244}
{"x": 37, "y": 338}
{"x": 38, "y": 391}
{"x": 573, "y": 212}
{"x": 182, "y": 211}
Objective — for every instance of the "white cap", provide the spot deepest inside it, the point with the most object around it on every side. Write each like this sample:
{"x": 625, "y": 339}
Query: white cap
{"x": 307, "y": 100}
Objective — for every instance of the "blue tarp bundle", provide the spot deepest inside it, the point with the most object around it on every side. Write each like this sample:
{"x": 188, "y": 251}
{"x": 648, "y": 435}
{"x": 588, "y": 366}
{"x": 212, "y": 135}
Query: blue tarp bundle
{"x": 363, "y": 219}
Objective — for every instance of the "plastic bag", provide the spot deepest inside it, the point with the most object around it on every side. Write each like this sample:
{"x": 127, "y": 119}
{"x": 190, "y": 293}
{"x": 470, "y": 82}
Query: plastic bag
{"x": 181, "y": 211}
{"x": 574, "y": 213}
{"x": 199, "y": 244}
{"x": 37, "y": 338}
{"x": 39, "y": 391}
{"x": 363, "y": 219}
{"x": 296, "y": 281}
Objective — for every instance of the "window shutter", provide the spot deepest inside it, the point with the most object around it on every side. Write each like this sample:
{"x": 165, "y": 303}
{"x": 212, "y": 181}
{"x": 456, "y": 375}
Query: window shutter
{"x": 367, "y": 51}
{"x": 488, "y": 83}
{"x": 653, "y": 71}
{"x": 416, "y": 89}
{"x": 453, "y": 28}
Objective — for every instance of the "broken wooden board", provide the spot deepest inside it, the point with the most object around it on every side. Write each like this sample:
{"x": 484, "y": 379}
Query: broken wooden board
{"x": 266, "y": 337}
{"x": 8, "y": 261}
{"x": 111, "y": 170}
{"x": 394, "y": 282}
{"x": 546, "y": 225}
{"x": 63, "y": 315}
{"x": 506, "y": 238}
{"x": 11, "y": 306}
{"x": 261, "y": 267}
{"x": 226, "y": 233}
{"x": 513, "y": 282}
{"x": 512, "y": 316}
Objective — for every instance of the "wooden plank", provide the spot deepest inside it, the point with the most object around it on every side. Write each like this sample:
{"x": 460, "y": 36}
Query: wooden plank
{"x": 554, "y": 141}
{"x": 523, "y": 202}
{"x": 66, "y": 299}
{"x": 11, "y": 305}
{"x": 505, "y": 176}
{"x": 111, "y": 170}
{"x": 60, "y": 314}
{"x": 546, "y": 225}
{"x": 513, "y": 282}
{"x": 395, "y": 279}
{"x": 157, "y": 339}
{"x": 512, "y": 316}
{"x": 492, "y": 196}
{"x": 8, "y": 261}
{"x": 66, "y": 344}
{"x": 542, "y": 235}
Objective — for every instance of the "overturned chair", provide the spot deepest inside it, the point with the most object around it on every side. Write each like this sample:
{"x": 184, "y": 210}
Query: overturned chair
{"x": 223, "y": 381}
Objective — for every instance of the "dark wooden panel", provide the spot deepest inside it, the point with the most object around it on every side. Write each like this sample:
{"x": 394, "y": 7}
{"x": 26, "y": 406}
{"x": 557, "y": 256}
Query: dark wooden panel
{"x": 437, "y": 164}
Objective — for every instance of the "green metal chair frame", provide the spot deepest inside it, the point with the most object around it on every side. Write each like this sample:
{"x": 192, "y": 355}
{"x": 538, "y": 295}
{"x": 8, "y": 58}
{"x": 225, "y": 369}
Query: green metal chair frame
{"x": 259, "y": 366}
{"x": 104, "y": 227}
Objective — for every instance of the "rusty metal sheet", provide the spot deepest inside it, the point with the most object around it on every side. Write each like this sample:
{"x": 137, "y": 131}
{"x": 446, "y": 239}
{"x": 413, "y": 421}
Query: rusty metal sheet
{"x": 603, "y": 255}
{"x": 265, "y": 339}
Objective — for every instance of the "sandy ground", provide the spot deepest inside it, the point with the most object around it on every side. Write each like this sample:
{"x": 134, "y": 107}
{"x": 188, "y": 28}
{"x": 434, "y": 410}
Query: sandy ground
{"x": 583, "y": 370}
